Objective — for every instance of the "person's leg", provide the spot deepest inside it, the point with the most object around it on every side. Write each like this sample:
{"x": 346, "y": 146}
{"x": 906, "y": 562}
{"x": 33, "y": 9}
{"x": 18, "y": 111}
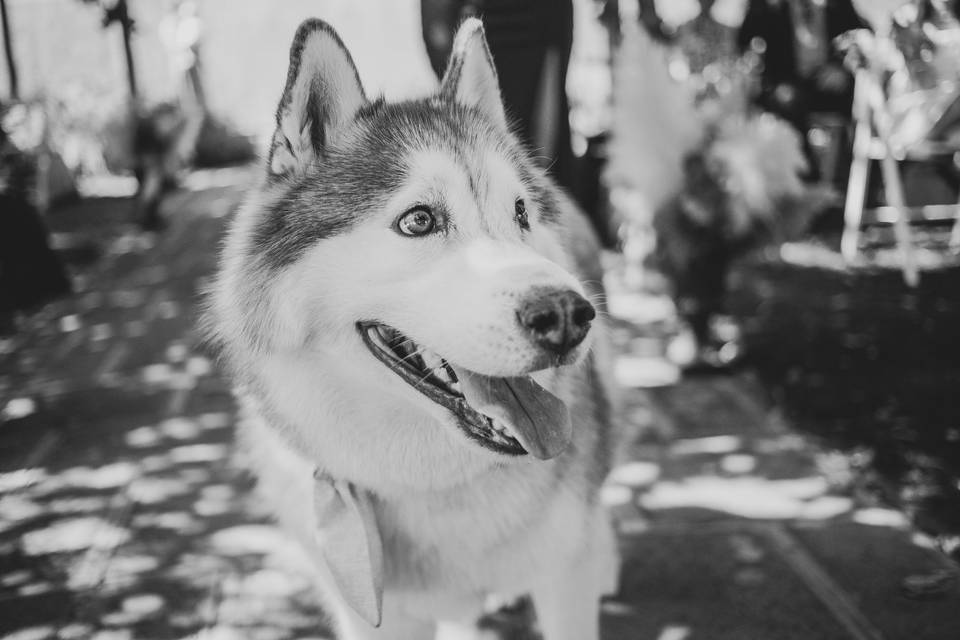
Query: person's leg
{"x": 439, "y": 19}
{"x": 519, "y": 70}
{"x": 150, "y": 194}
{"x": 31, "y": 273}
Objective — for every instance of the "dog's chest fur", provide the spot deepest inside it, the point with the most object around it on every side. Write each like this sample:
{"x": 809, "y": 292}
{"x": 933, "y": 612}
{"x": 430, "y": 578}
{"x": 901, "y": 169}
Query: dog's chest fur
{"x": 489, "y": 533}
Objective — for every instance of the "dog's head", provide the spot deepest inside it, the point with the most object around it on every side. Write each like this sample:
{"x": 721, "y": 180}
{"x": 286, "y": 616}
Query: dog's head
{"x": 421, "y": 235}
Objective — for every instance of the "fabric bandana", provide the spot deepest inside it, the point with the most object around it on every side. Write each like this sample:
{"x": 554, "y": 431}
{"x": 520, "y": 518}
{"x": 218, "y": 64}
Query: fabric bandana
{"x": 350, "y": 542}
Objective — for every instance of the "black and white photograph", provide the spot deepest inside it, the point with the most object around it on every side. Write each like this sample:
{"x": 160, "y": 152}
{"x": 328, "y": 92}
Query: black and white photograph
{"x": 480, "y": 320}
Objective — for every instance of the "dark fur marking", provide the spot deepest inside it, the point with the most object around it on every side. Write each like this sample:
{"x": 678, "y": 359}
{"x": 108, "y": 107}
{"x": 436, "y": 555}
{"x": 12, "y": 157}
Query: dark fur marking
{"x": 551, "y": 209}
{"x": 334, "y": 194}
{"x": 340, "y": 184}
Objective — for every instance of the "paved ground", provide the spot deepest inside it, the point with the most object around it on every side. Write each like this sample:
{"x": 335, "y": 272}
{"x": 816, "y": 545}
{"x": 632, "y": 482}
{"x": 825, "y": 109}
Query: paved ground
{"x": 121, "y": 515}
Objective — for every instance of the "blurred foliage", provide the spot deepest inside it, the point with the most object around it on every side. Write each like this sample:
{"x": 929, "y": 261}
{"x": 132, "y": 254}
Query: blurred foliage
{"x": 94, "y": 134}
{"x": 31, "y": 160}
{"x": 114, "y": 13}
{"x": 17, "y": 168}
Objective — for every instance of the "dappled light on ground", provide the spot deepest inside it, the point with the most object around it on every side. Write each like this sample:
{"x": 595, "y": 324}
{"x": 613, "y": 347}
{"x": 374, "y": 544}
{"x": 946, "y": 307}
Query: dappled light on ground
{"x": 142, "y": 543}
{"x": 749, "y": 497}
{"x": 646, "y": 372}
{"x": 675, "y": 632}
{"x": 880, "y": 517}
{"x": 120, "y": 505}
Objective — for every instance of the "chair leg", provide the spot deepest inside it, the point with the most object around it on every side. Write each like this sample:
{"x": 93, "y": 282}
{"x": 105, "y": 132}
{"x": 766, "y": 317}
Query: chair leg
{"x": 856, "y": 192}
{"x": 955, "y": 234}
{"x": 859, "y": 172}
{"x": 893, "y": 188}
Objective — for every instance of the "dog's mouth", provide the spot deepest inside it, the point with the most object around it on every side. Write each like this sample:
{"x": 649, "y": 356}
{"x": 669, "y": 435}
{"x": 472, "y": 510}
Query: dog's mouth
{"x": 510, "y": 415}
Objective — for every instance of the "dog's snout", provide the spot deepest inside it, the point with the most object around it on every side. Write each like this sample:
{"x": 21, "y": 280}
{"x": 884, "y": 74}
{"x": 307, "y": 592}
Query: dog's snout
{"x": 557, "y": 320}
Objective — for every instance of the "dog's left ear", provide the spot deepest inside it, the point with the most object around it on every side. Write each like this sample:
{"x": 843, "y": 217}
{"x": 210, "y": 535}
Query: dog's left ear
{"x": 321, "y": 98}
{"x": 471, "y": 79}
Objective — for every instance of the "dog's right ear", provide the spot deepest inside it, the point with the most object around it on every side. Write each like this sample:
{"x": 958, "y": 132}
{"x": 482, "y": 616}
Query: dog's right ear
{"x": 322, "y": 95}
{"x": 471, "y": 77}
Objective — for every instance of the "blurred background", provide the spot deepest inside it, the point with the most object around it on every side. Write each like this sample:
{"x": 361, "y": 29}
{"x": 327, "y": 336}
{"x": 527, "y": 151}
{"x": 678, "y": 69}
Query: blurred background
{"x": 776, "y": 185}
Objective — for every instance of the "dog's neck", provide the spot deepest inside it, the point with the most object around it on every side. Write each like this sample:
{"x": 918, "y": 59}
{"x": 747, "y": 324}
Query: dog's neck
{"x": 363, "y": 427}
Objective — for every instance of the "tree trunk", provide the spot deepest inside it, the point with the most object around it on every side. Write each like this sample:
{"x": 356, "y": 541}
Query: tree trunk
{"x": 8, "y": 50}
{"x": 125, "y": 23}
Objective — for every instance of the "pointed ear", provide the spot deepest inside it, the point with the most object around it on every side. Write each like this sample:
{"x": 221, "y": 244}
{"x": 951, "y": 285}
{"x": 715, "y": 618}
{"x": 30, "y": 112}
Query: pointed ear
{"x": 322, "y": 96}
{"x": 471, "y": 78}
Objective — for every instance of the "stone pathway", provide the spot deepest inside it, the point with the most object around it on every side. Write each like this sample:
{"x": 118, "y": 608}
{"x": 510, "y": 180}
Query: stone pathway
{"x": 121, "y": 515}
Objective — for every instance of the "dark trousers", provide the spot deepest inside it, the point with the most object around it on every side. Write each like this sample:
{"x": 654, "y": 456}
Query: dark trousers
{"x": 520, "y": 34}
{"x": 30, "y": 272}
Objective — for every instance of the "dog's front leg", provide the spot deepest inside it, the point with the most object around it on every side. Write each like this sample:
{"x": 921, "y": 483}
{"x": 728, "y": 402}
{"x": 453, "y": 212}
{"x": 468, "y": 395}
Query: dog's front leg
{"x": 567, "y": 599}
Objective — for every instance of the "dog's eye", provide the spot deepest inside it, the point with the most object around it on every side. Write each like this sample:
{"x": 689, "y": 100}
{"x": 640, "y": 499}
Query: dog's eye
{"x": 419, "y": 221}
{"x": 520, "y": 209}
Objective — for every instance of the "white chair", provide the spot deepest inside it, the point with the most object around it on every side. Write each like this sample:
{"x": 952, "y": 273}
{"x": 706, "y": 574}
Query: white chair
{"x": 873, "y": 140}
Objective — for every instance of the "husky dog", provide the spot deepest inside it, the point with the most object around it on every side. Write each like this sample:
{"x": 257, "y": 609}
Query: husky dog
{"x": 404, "y": 305}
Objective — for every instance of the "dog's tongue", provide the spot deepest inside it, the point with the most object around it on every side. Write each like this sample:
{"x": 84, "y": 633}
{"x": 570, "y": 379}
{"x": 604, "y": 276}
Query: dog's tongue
{"x": 538, "y": 419}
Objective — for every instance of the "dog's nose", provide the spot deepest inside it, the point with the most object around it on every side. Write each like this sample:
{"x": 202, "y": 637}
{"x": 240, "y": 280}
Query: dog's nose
{"x": 557, "y": 320}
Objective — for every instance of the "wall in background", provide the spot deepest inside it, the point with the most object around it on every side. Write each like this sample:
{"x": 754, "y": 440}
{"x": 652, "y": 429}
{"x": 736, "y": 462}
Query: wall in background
{"x": 63, "y": 52}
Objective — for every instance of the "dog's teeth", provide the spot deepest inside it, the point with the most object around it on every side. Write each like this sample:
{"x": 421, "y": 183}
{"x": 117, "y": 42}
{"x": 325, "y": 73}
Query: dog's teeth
{"x": 416, "y": 359}
{"x": 442, "y": 372}
{"x": 451, "y": 373}
{"x": 404, "y": 347}
{"x": 390, "y": 338}
{"x": 432, "y": 361}
{"x": 500, "y": 433}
